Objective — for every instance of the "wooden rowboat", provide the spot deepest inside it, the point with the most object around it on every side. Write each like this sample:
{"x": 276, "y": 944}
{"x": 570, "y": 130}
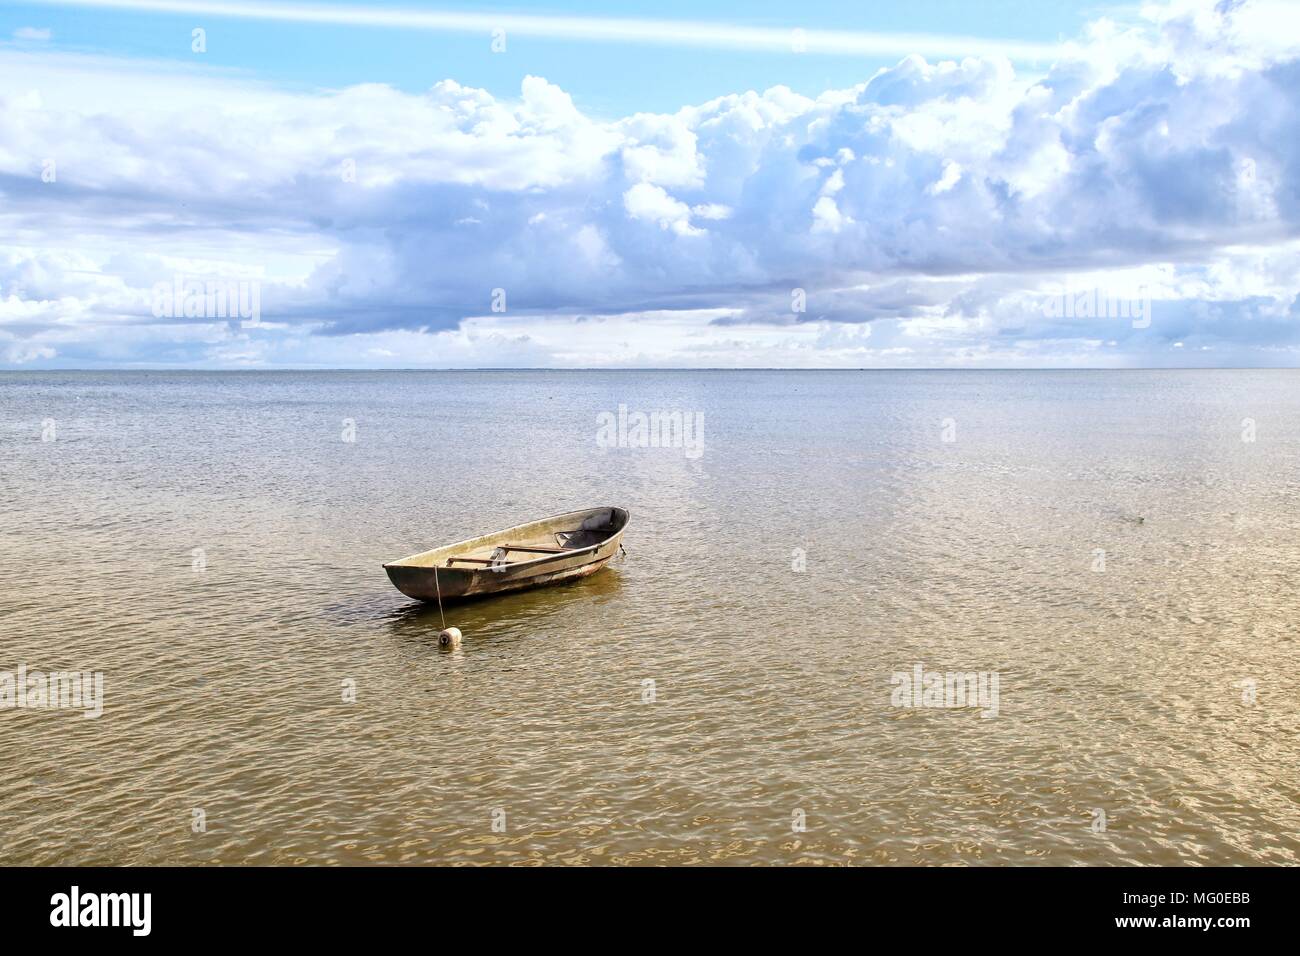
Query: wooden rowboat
{"x": 560, "y": 548}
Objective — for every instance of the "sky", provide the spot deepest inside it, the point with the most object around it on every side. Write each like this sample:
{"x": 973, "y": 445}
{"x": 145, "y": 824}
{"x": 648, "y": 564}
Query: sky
{"x": 230, "y": 184}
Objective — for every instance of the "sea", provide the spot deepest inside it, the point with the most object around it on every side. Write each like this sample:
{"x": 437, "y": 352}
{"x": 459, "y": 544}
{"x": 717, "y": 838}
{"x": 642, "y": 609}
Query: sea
{"x": 864, "y": 617}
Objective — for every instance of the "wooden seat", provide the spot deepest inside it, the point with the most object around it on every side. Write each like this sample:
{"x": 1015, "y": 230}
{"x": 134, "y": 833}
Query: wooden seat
{"x": 523, "y": 548}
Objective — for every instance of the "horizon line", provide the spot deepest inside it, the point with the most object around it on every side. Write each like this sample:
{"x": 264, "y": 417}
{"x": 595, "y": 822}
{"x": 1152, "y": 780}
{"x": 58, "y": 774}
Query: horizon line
{"x": 713, "y": 368}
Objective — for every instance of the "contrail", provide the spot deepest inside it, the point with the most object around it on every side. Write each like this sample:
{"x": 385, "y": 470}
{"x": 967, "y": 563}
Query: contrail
{"x": 663, "y": 32}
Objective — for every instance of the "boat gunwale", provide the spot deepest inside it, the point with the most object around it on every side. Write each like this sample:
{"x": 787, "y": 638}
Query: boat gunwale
{"x": 531, "y": 562}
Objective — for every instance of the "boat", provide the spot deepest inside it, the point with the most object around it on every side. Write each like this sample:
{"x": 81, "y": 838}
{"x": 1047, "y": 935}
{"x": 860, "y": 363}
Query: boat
{"x": 560, "y": 548}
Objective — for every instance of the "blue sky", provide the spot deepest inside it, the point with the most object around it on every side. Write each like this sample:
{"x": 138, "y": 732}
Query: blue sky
{"x": 604, "y": 78}
{"x": 921, "y": 184}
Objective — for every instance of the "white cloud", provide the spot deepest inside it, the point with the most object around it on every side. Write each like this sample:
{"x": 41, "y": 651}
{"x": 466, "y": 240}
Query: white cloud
{"x": 652, "y": 203}
{"x": 37, "y": 34}
{"x": 712, "y": 210}
{"x": 951, "y": 176}
{"x": 939, "y": 202}
{"x": 22, "y": 354}
{"x": 827, "y": 216}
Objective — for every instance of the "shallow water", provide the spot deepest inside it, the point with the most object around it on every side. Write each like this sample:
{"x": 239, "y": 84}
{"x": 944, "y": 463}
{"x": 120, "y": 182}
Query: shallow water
{"x": 1125, "y": 691}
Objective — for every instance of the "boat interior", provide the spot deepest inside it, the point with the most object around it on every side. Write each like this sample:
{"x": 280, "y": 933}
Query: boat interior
{"x": 540, "y": 540}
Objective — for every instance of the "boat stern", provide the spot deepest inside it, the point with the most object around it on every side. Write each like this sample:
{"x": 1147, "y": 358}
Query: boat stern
{"x": 427, "y": 583}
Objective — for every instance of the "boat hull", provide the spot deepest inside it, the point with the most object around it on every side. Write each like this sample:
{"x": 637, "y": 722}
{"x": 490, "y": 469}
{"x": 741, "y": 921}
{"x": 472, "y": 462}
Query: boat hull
{"x": 441, "y": 573}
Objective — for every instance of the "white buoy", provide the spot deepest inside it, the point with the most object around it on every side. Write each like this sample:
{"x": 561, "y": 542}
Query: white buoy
{"x": 448, "y": 637}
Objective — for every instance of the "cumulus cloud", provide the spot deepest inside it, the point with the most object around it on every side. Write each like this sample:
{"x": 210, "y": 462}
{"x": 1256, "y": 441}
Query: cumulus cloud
{"x": 927, "y": 214}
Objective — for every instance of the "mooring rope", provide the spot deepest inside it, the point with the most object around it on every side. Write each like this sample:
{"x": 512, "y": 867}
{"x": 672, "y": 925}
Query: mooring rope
{"x": 438, "y": 588}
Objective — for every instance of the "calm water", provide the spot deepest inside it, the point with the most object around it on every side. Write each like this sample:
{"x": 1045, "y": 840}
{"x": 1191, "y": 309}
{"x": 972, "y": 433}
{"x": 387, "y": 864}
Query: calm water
{"x": 1124, "y": 690}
